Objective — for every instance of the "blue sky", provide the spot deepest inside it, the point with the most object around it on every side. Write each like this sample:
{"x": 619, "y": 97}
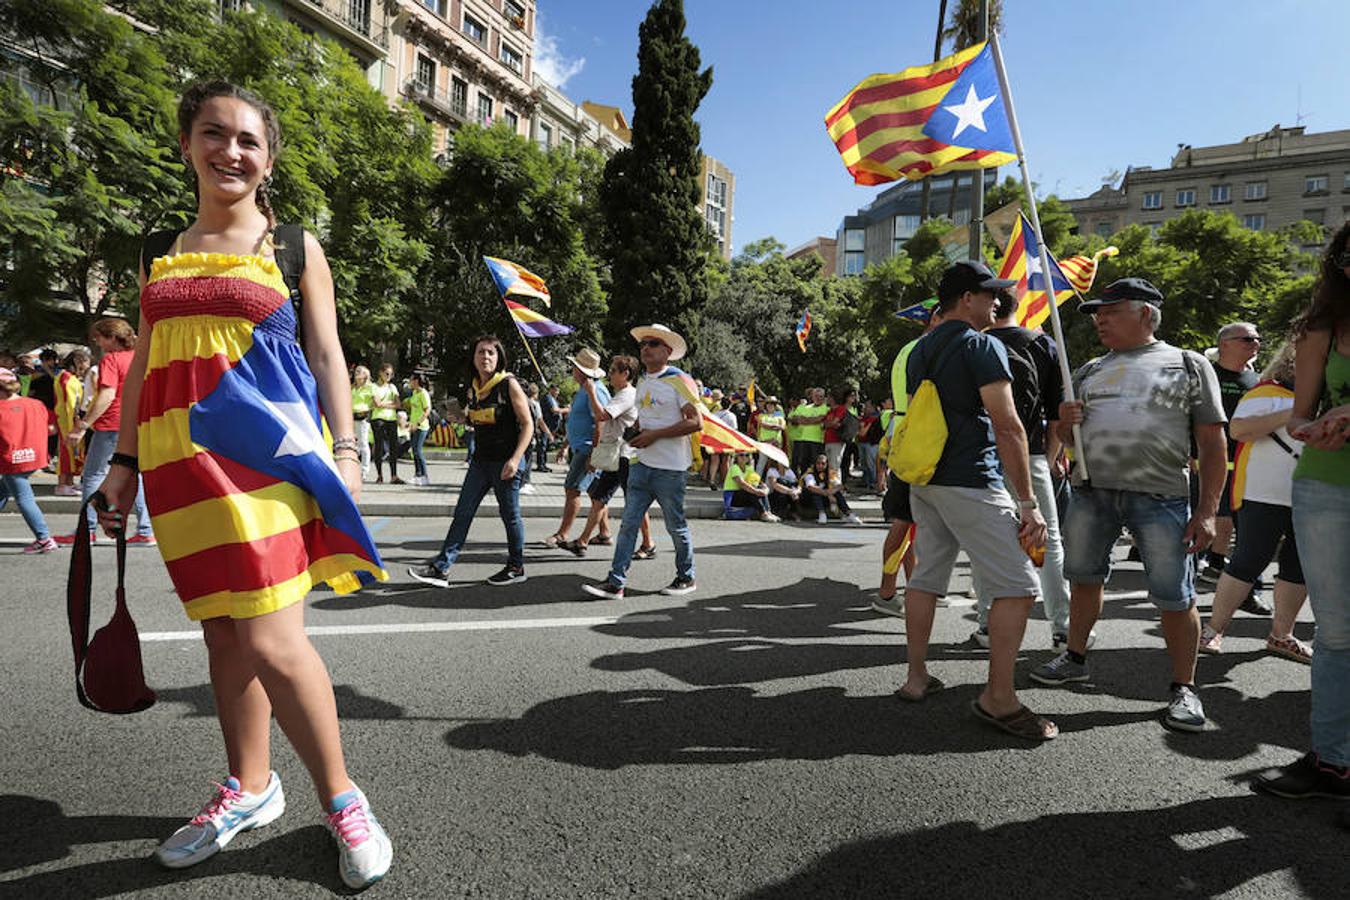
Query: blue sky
{"x": 1098, "y": 86}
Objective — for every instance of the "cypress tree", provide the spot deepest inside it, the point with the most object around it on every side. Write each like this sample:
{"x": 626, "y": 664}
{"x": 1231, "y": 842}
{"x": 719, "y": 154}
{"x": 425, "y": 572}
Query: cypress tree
{"x": 657, "y": 241}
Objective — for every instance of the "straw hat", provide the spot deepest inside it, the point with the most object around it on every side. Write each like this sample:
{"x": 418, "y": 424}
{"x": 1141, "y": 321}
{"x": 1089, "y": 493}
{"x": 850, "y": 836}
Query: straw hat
{"x": 588, "y": 361}
{"x": 664, "y": 335}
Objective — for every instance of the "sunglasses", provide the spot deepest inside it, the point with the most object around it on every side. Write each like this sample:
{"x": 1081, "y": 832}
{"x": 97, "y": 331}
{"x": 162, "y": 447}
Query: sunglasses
{"x": 1246, "y": 339}
{"x": 651, "y": 342}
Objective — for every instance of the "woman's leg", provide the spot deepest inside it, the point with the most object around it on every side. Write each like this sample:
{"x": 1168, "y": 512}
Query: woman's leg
{"x": 508, "y": 506}
{"x": 242, "y": 707}
{"x": 363, "y": 444}
{"x": 1260, "y": 528}
{"x": 301, "y": 693}
{"x": 1228, "y": 596}
{"x": 646, "y": 532}
{"x": 599, "y": 513}
{"x": 843, "y": 504}
{"x": 1289, "y": 599}
{"x": 419, "y": 439}
{"x": 381, "y": 447}
{"x": 22, "y": 492}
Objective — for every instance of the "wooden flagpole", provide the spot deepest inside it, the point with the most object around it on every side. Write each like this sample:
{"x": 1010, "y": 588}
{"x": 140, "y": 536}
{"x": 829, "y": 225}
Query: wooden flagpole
{"x": 526, "y": 341}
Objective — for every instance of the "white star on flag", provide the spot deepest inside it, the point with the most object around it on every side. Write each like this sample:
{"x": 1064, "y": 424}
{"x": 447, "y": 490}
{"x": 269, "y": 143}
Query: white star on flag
{"x": 970, "y": 112}
{"x": 1033, "y": 265}
{"x": 302, "y": 435}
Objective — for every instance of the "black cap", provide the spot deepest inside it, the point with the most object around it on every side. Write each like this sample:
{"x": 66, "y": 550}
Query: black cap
{"x": 1125, "y": 289}
{"x": 969, "y": 275}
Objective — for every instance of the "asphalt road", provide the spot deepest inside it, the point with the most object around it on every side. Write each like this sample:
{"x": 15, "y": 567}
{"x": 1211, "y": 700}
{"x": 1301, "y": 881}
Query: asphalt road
{"x": 741, "y": 742}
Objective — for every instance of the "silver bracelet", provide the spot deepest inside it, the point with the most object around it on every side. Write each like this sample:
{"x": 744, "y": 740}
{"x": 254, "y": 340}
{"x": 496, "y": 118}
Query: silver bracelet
{"x": 346, "y": 443}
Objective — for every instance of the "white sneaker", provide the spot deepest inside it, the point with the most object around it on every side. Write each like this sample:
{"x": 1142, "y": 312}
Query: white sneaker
{"x": 364, "y": 849}
{"x": 229, "y": 812}
{"x": 769, "y": 517}
{"x": 822, "y": 519}
{"x": 527, "y": 489}
{"x": 853, "y": 519}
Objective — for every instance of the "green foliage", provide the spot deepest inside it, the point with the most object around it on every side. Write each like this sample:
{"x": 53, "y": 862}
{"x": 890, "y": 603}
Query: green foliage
{"x": 658, "y": 245}
{"x": 1057, "y": 222}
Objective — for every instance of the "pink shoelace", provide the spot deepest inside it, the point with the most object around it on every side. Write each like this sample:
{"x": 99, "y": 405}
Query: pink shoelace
{"x": 350, "y": 825}
{"x": 225, "y": 798}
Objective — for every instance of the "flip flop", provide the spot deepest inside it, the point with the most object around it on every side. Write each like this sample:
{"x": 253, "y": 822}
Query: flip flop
{"x": 1024, "y": 723}
{"x": 932, "y": 687}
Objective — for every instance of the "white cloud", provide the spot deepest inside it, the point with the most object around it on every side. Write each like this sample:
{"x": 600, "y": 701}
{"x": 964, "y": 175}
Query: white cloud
{"x": 549, "y": 61}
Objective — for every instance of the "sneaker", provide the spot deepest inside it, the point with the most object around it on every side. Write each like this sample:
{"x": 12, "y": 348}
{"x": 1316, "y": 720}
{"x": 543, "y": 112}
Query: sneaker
{"x": 1060, "y": 670}
{"x": 1209, "y": 574}
{"x": 66, "y": 490}
{"x": 894, "y": 605}
{"x": 1254, "y": 604}
{"x": 1185, "y": 712}
{"x": 769, "y": 517}
{"x": 66, "y": 540}
{"x": 1290, "y": 648}
{"x": 508, "y": 575}
{"x": 605, "y": 590}
{"x": 143, "y": 540}
{"x": 981, "y": 636}
{"x": 528, "y": 489}
{"x": 1211, "y": 641}
{"x": 229, "y": 812}
{"x": 46, "y": 545}
{"x": 397, "y": 480}
{"x": 429, "y": 575}
{"x": 364, "y": 849}
{"x": 1308, "y": 777}
{"x": 679, "y": 587}
{"x": 852, "y": 519}
{"x": 1059, "y": 641}
{"x": 822, "y": 519}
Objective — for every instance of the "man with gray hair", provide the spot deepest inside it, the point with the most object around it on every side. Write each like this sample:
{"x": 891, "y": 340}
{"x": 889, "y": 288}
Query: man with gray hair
{"x": 1140, "y": 406}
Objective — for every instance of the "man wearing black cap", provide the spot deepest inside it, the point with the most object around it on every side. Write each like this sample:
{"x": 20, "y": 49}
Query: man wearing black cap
{"x": 1139, "y": 406}
{"x": 965, "y": 504}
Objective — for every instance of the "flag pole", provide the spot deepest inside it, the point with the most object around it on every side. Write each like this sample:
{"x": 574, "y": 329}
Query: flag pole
{"x": 1080, "y": 455}
{"x": 526, "y": 341}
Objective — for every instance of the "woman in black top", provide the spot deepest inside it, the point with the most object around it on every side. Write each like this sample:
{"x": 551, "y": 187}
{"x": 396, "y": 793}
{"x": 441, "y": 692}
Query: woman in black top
{"x": 503, "y": 430}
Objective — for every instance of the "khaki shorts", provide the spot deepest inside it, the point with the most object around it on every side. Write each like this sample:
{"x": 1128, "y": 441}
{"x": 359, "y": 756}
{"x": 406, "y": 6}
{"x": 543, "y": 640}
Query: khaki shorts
{"x": 981, "y": 521}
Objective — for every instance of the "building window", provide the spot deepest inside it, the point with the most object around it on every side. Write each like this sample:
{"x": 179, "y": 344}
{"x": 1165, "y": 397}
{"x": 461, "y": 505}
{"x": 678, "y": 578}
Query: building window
{"x": 230, "y": 6}
{"x": 717, "y": 220}
{"x": 512, "y": 119}
{"x": 853, "y": 262}
{"x": 545, "y": 135}
{"x": 1152, "y": 199}
{"x": 1254, "y": 221}
{"x": 484, "y": 114}
{"x": 512, "y": 58}
{"x": 425, "y": 79}
{"x": 1186, "y": 197}
{"x": 1316, "y": 184}
{"x": 1103, "y": 229}
{"x": 905, "y": 226}
{"x": 1256, "y": 190}
{"x": 436, "y": 6}
{"x": 1220, "y": 193}
{"x": 717, "y": 190}
{"x": 855, "y": 239}
{"x": 459, "y": 97}
{"x": 1316, "y": 216}
{"x": 1153, "y": 228}
{"x": 358, "y": 15}
{"x": 474, "y": 29}
{"x": 515, "y": 12}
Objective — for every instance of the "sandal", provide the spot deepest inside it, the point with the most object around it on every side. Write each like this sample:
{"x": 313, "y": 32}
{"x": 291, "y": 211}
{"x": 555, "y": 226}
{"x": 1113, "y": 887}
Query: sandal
{"x": 1290, "y": 648}
{"x": 576, "y": 547}
{"x": 553, "y": 541}
{"x": 932, "y": 687}
{"x": 603, "y": 540}
{"x": 645, "y": 552}
{"x": 1024, "y": 723}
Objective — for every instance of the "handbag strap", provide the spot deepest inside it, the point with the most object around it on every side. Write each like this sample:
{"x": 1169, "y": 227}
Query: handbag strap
{"x": 79, "y": 586}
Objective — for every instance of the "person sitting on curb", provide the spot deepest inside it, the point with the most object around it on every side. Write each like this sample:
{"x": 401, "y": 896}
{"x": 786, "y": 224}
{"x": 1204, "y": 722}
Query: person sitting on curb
{"x": 743, "y": 494}
{"x": 826, "y": 490}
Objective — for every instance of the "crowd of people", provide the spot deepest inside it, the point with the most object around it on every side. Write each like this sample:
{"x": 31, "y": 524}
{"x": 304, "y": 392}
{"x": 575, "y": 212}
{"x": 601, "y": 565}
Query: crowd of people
{"x": 978, "y": 450}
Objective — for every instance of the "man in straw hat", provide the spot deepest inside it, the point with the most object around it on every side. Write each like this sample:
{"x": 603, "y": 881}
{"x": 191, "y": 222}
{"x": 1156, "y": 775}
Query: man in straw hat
{"x": 582, "y": 433}
{"x": 668, "y": 413}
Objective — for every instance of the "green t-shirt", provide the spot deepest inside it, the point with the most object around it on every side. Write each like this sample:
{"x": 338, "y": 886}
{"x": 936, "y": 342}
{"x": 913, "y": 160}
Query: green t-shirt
{"x": 812, "y": 434}
{"x": 419, "y": 403}
{"x": 771, "y": 426}
{"x": 1331, "y": 466}
{"x": 733, "y": 472}
{"x": 899, "y": 390}
{"x": 361, "y": 398}
{"x": 386, "y": 392}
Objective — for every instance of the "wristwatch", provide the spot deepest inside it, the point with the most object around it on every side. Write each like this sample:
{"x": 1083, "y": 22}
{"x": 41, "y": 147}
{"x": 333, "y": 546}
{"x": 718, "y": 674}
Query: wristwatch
{"x": 1027, "y": 504}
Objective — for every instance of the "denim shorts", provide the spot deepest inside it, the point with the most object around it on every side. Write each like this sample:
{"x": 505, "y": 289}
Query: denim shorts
{"x": 1157, "y": 523}
{"x": 578, "y": 479}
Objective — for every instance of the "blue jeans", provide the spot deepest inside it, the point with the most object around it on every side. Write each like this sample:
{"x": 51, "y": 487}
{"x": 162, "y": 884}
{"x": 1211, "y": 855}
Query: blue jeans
{"x": 1096, "y": 516}
{"x": 102, "y": 444}
{"x": 16, "y": 485}
{"x": 419, "y": 437}
{"x": 540, "y": 449}
{"x": 666, "y": 487}
{"x": 1322, "y": 527}
{"x": 485, "y": 475}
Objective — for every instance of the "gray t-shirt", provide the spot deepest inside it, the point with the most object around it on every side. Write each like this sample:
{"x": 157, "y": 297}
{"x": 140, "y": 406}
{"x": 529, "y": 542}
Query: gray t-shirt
{"x": 1139, "y": 409}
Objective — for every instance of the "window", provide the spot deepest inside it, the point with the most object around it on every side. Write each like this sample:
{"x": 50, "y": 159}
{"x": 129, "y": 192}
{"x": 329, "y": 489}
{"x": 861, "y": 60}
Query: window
{"x": 1254, "y": 221}
{"x": 474, "y": 29}
{"x": 511, "y": 119}
{"x": 1152, "y": 199}
{"x": 459, "y": 97}
{"x": 484, "y": 115}
{"x": 717, "y": 190}
{"x": 717, "y": 220}
{"x": 436, "y": 6}
{"x": 1256, "y": 190}
{"x": 1316, "y": 216}
{"x": 515, "y": 12}
{"x": 1316, "y": 184}
{"x": 545, "y": 135}
{"x": 1220, "y": 193}
{"x": 853, "y": 263}
{"x": 905, "y": 226}
{"x": 854, "y": 239}
{"x": 1153, "y": 228}
{"x": 1103, "y": 229}
{"x": 1186, "y": 197}
{"x": 425, "y": 79}
{"x": 512, "y": 57}
{"x": 358, "y": 15}
{"x": 229, "y": 6}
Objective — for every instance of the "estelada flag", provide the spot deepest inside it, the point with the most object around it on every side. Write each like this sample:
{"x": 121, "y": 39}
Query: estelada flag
{"x": 716, "y": 436}
{"x": 1022, "y": 263}
{"x": 514, "y": 280}
{"x": 803, "y": 329}
{"x": 924, "y": 120}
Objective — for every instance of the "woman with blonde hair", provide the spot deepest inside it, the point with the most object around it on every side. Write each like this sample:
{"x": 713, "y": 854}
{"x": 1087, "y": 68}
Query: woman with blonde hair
{"x": 362, "y": 402}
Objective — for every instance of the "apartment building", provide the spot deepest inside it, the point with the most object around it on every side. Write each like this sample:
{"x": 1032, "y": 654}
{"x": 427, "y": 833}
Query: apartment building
{"x": 559, "y": 122}
{"x": 1267, "y": 180}
{"x": 823, "y": 248}
{"x": 718, "y": 204}
{"x": 361, "y": 27}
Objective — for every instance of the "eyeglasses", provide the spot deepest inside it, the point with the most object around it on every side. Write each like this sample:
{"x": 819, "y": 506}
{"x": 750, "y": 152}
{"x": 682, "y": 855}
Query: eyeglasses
{"x": 651, "y": 342}
{"x": 1245, "y": 338}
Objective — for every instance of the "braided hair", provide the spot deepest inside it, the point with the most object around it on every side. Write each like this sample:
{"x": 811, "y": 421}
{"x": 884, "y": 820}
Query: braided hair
{"x": 191, "y": 104}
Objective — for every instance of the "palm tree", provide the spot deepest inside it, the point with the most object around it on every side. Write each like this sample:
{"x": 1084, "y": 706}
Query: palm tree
{"x": 963, "y": 28}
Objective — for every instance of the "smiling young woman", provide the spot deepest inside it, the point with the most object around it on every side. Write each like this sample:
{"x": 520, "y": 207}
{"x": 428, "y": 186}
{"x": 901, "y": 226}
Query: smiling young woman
{"x": 222, "y": 416}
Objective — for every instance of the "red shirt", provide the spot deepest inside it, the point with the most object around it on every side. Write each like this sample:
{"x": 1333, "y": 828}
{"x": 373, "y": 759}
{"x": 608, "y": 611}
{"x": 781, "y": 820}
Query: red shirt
{"x": 833, "y": 419}
{"x": 112, "y": 372}
{"x": 23, "y": 435}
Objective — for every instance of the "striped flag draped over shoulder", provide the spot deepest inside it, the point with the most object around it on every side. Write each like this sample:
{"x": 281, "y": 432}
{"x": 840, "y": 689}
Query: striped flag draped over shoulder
{"x": 716, "y": 436}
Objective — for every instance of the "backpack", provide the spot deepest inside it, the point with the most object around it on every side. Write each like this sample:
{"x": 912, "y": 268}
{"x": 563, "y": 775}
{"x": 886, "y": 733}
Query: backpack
{"x": 289, "y": 241}
{"x": 1024, "y": 371}
{"x": 848, "y": 426}
{"x": 921, "y": 436}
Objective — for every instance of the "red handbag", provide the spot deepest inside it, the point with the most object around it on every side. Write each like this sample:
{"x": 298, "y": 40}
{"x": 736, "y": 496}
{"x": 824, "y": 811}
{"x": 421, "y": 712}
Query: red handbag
{"x": 108, "y": 673}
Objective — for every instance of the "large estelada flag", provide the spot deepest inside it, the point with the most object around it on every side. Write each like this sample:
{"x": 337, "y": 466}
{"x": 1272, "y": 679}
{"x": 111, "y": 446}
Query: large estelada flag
{"x": 514, "y": 280}
{"x": 1022, "y": 263}
{"x": 924, "y": 120}
{"x": 803, "y": 329}
{"x": 533, "y": 324}
{"x": 716, "y": 436}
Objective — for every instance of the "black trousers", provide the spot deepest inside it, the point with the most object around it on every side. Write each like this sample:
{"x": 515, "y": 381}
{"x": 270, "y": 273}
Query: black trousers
{"x": 386, "y": 446}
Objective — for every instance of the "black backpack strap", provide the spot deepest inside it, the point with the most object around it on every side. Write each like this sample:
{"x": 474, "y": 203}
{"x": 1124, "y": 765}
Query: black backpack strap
{"x": 155, "y": 245}
{"x": 289, "y": 248}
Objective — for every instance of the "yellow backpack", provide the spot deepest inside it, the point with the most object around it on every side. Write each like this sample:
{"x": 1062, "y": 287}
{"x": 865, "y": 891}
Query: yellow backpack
{"x": 921, "y": 436}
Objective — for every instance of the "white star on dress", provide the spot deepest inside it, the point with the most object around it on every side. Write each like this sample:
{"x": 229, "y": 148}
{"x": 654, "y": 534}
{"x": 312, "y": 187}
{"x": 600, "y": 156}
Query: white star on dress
{"x": 970, "y": 112}
{"x": 302, "y": 435}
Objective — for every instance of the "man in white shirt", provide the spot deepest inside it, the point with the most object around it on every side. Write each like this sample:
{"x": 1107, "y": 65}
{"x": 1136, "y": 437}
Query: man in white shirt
{"x": 668, "y": 413}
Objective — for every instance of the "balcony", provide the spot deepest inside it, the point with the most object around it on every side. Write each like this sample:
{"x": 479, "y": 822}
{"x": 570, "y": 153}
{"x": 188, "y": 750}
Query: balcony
{"x": 438, "y": 102}
{"x": 350, "y": 21}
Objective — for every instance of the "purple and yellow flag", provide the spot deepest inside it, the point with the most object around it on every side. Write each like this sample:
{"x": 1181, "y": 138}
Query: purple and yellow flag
{"x": 533, "y": 324}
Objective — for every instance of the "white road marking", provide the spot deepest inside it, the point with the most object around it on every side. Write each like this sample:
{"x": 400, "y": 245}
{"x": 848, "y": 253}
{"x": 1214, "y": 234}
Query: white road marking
{"x": 414, "y": 627}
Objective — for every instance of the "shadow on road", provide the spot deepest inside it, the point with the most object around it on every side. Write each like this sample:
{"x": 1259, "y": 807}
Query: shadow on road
{"x": 465, "y": 594}
{"x": 1199, "y": 849}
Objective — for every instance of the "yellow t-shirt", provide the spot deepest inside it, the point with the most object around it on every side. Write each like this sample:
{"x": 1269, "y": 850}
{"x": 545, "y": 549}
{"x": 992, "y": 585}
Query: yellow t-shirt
{"x": 811, "y": 434}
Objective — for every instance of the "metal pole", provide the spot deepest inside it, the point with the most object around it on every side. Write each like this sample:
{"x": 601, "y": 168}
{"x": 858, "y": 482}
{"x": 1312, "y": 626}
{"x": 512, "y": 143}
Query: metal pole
{"x": 977, "y": 186}
{"x": 1065, "y": 371}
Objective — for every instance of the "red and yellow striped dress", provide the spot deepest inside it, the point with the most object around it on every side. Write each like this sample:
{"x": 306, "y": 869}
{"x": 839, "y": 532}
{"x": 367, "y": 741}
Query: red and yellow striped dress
{"x": 248, "y": 506}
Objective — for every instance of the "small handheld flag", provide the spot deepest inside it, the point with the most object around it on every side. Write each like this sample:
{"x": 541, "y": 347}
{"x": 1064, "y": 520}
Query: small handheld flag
{"x": 516, "y": 281}
{"x": 919, "y": 312}
{"x": 533, "y": 324}
{"x": 803, "y": 329}
{"x": 1021, "y": 262}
